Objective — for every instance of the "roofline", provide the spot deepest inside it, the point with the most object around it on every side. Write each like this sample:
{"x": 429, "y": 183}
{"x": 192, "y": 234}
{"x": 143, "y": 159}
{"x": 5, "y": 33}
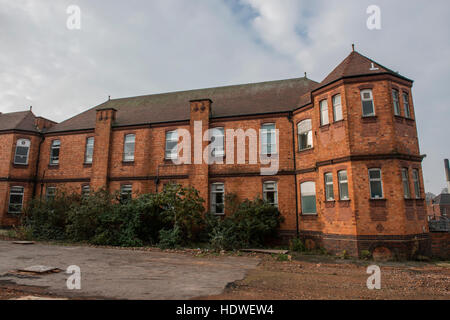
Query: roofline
{"x": 363, "y": 75}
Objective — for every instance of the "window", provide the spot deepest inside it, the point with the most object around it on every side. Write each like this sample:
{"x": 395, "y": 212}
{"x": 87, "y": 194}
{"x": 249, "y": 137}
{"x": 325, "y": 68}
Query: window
{"x": 172, "y": 145}
{"x": 89, "y": 154}
{"x": 329, "y": 192}
{"x": 22, "y": 151}
{"x": 343, "y": 185}
{"x": 218, "y": 198}
{"x": 367, "y": 103}
{"x": 324, "y": 113}
{"x": 85, "y": 191}
{"x": 396, "y": 99}
{"x": 308, "y": 197}
{"x": 15, "y": 200}
{"x": 54, "y": 152}
{"x": 128, "y": 147}
{"x": 405, "y": 180}
{"x": 305, "y": 139}
{"x": 218, "y": 138}
{"x": 416, "y": 183}
{"x": 125, "y": 192}
{"x": 50, "y": 193}
{"x": 268, "y": 139}
{"x": 270, "y": 192}
{"x": 337, "y": 108}
{"x": 406, "y": 105}
{"x": 376, "y": 185}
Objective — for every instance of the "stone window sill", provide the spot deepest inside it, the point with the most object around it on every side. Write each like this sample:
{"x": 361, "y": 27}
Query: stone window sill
{"x": 306, "y": 151}
{"x": 128, "y": 163}
{"x": 369, "y": 119}
{"x": 53, "y": 166}
{"x": 20, "y": 166}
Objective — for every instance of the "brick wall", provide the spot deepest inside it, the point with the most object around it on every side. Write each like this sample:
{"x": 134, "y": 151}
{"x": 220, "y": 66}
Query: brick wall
{"x": 440, "y": 244}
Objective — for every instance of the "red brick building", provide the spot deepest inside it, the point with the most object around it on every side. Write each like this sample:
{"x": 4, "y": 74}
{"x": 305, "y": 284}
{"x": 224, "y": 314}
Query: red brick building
{"x": 349, "y": 178}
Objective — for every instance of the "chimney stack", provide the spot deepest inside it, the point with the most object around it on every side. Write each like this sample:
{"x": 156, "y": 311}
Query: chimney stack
{"x": 447, "y": 174}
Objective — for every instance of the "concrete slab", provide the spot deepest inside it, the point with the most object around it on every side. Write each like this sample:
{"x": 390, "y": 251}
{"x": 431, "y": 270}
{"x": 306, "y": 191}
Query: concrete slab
{"x": 266, "y": 251}
{"x": 123, "y": 274}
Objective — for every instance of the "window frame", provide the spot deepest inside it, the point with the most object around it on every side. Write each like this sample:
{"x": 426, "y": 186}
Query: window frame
{"x": 28, "y": 141}
{"x": 396, "y": 102}
{"x": 329, "y": 183}
{"x": 87, "y": 147}
{"x": 365, "y": 100}
{"x": 125, "y": 144}
{"x": 302, "y": 195}
{"x": 307, "y": 133}
{"x": 213, "y": 199}
{"x": 11, "y": 193}
{"x": 323, "y": 109}
{"x": 47, "y": 193}
{"x": 221, "y": 153}
{"x": 275, "y": 191}
{"x": 337, "y": 105}
{"x": 342, "y": 182}
{"x": 53, "y": 147}
{"x": 169, "y": 154}
{"x": 85, "y": 194}
{"x": 406, "y": 105}
{"x": 380, "y": 180}
{"x": 272, "y": 133}
{"x": 122, "y": 192}
{"x": 405, "y": 182}
{"x": 416, "y": 182}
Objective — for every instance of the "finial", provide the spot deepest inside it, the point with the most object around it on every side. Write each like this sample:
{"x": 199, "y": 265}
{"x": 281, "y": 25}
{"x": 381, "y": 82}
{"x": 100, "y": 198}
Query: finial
{"x": 31, "y": 108}
{"x": 306, "y": 75}
{"x": 109, "y": 98}
{"x": 353, "y": 47}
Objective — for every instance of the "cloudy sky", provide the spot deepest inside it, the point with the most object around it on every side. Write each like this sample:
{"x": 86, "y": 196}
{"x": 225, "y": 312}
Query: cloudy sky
{"x": 128, "y": 48}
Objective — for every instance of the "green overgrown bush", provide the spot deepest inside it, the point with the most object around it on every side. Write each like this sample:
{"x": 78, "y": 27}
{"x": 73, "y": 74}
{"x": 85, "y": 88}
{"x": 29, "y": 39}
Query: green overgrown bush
{"x": 297, "y": 245}
{"x": 170, "y": 219}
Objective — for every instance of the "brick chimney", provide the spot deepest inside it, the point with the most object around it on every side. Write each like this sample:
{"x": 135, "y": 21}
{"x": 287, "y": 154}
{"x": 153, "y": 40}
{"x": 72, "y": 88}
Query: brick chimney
{"x": 200, "y": 114}
{"x": 43, "y": 124}
{"x": 102, "y": 147}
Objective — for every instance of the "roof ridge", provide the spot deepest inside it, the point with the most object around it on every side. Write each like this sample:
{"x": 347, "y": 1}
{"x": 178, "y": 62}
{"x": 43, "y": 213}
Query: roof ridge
{"x": 218, "y": 87}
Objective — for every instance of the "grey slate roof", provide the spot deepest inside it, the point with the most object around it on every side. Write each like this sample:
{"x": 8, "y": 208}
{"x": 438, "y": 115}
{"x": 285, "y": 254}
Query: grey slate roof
{"x": 443, "y": 198}
{"x": 245, "y": 99}
{"x": 23, "y": 120}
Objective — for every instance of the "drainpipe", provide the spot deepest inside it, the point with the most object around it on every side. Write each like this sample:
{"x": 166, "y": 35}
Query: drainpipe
{"x": 291, "y": 120}
{"x": 37, "y": 167}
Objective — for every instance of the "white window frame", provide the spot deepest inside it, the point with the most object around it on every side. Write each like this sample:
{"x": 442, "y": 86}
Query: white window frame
{"x": 265, "y": 134}
{"x": 271, "y": 186}
{"x": 341, "y": 182}
{"x": 126, "y": 189}
{"x": 304, "y": 132}
{"x": 89, "y": 150}
{"x": 416, "y": 181}
{"x": 213, "y": 193}
{"x": 405, "y": 182}
{"x": 14, "y": 191}
{"x": 305, "y": 194}
{"x": 22, "y": 143}
{"x": 337, "y": 108}
{"x": 363, "y": 99}
{"x": 129, "y": 156}
{"x": 324, "y": 116}
{"x": 396, "y": 102}
{"x": 376, "y": 180}
{"x": 48, "y": 194}
{"x": 55, "y": 145}
{"x": 85, "y": 191}
{"x": 406, "y": 105}
{"x": 329, "y": 197}
{"x": 218, "y": 151}
{"x": 171, "y": 154}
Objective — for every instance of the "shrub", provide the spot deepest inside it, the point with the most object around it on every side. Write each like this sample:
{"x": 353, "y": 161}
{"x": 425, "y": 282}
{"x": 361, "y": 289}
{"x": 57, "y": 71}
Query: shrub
{"x": 297, "y": 245}
{"x": 170, "y": 239}
{"x": 48, "y": 218}
{"x": 282, "y": 257}
{"x": 252, "y": 224}
{"x": 365, "y": 255}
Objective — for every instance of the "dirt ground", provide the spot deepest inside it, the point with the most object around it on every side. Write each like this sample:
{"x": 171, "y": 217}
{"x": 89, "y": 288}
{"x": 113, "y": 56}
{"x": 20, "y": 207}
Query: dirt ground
{"x": 327, "y": 278}
{"x": 305, "y": 277}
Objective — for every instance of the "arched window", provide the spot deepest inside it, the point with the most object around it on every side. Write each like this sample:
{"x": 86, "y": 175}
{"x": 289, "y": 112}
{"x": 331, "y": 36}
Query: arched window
{"x": 22, "y": 151}
{"x": 305, "y": 139}
{"x": 368, "y": 109}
